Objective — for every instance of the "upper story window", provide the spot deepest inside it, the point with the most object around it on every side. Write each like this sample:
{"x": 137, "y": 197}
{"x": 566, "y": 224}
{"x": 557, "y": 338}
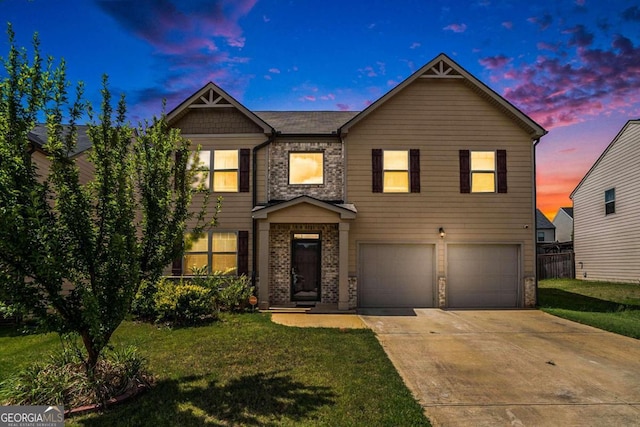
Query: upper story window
{"x": 395, "y": 166}
{"x": 540, "y": 236}
{"x": 225, "y": 170}
{"x": 610, "y": 201}
{"x": 395, "y": 171}
{"x": 306, "y": 168}
{"x": 230, "y": 172}
{"x": 483, "y": 171}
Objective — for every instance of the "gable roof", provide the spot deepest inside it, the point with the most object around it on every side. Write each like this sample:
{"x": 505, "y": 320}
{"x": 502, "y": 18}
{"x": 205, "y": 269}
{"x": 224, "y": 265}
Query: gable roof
{"x": 38, "y": 137}
{"x": 542, "y": 221}
{"x": 568, "y": 211}
{"x": 443, "y": 67}
{"x": 306, "y": 122}
{"x": 604, "y": 153}
{"x": 212, "y": 96}
{"x": 345, "y": 210}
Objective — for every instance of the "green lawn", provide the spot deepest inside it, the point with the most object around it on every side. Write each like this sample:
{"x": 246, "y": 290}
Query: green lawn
{"x": 246, "y": 370}
{"x": 613, "y": 307}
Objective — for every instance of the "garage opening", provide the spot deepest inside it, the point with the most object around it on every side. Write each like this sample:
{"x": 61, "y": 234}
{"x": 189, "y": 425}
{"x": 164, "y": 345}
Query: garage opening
{"x": 396, "y": 276}
{"x": 483, "y": 276}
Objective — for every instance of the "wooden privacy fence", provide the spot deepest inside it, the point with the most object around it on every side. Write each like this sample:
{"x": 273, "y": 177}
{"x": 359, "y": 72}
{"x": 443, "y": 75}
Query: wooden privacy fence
{"x": 556, "y": 266}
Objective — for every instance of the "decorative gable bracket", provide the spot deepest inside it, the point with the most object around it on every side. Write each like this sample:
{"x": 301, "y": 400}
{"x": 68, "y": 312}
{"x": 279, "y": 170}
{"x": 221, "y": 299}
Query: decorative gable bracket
{"x": 211, "y": 100}
{"x": 441, "y": 70}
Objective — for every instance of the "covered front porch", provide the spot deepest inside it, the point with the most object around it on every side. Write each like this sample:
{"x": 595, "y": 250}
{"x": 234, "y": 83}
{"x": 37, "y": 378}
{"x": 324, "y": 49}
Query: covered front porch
{"x": 302, "y": 253}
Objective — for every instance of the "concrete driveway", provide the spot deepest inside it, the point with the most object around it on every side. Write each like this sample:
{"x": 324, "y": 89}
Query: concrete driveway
{"x": 512, "y": 368}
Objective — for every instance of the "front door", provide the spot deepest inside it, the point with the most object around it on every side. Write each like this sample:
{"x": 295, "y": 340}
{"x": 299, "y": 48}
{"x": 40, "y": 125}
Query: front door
{"x": 305, "y": 268}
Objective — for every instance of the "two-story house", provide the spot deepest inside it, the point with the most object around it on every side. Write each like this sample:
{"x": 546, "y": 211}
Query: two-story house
{"x": 605, "y": 207}
{"x": 424, "y": 199}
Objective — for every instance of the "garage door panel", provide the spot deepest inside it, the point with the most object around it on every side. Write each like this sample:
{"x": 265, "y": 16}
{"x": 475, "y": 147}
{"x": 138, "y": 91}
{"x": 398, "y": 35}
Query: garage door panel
{"x": 482, "y": 276}
{"x": 396, "y": 275}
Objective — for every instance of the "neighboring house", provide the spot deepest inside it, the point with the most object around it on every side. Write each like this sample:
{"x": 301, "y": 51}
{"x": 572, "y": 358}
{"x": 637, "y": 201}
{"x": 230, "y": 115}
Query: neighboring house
{"x": 424, "y": 199}
{"x": 37, "y": 139}
{"x": 545, "y": 230}
{"x": 605, "y": 205}
{"x": 563, "y": 222}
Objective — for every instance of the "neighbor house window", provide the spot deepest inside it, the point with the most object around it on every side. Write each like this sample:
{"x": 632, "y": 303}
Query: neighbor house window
{"x": 610, "y": 201}
{"x": 540, "y": 236}
{"x": 215, "y": 252}
{"x": 225, "y": 170}
{"x": 483, "y": 171}
{"x": 306, "y": 168}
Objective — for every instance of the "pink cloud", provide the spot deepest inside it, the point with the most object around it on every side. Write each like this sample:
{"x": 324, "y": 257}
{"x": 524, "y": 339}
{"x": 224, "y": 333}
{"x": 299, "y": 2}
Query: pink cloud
{"x": 456, "y": 28}
{"x": 309, "y": 98}
{"x": 548, "y": 46}
{"x": 274, "y": 71}
{"x": 557, "y": 92}
{"x": 494, "y": 62}
{"x": 507, "y": 24}
{"x": 343, "y": 107}
{"x": 543, "y": 21}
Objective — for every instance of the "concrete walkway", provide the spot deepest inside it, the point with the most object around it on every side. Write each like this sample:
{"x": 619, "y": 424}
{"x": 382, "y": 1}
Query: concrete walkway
{"x": 512, "y": 368}
{"x": 305, "y": 320}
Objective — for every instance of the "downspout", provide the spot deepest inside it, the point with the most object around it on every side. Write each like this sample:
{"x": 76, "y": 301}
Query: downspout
{"x": 254, "y": 201}
{"x": 535, "y": 204}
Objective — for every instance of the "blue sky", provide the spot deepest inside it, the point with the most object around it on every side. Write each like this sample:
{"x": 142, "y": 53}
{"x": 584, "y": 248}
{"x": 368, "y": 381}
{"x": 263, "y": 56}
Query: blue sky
{"x": 572, "y": 65}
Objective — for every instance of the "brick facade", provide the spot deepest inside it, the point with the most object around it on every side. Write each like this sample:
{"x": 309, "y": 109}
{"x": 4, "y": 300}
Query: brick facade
{"x": 280, "y": 236}
{"x": 279, "y": 188}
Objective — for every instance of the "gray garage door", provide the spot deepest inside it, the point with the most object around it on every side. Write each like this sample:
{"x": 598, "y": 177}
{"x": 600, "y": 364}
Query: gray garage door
{"x": 395, "y": 275}
{"x": 482, "y": 276}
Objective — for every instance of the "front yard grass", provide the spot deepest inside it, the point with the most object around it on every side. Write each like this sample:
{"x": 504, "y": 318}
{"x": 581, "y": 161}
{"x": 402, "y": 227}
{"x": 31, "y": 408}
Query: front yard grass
{"x": 614, "y": 307}
{"x": 246, "y": 370}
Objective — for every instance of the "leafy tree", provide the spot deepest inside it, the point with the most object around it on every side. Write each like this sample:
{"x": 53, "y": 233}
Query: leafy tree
{"x": 73, "y": 255}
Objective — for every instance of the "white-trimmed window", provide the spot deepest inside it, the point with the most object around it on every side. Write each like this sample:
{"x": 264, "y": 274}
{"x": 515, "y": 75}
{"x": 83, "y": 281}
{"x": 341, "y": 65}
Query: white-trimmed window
{"x": 217, "y": 252}
{"x": 201, "y": 162}
{"x": 306, "y": 168}
{"x": 483, "y": 171}
{"x": 395, "y": 169}
{"x": 610, "y": 201}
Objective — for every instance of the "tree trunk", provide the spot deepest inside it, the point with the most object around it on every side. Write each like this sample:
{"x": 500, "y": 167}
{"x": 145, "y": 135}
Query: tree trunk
{"x": 92, "y": 353}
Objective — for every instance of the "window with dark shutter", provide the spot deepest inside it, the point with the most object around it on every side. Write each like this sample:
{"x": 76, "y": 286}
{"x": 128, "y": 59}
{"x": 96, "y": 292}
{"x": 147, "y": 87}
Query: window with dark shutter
{"x": 243, "y": 253}
{"x": 376, "y": 170}
{"x": 414, "y": 170}
{"x": 465, "y": 172}
{"x": 501, "y": 160}
{"x": 245, "y": 154}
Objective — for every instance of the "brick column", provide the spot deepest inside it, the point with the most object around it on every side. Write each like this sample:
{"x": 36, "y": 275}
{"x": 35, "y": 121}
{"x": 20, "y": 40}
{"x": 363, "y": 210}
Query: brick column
{"x": 343, "y": 267}
{"x": 263, "y": 265}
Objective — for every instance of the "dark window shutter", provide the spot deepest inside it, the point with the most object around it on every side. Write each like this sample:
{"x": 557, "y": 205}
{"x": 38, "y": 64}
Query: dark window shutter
{"x": 414, "y": 170}
{"x": 245, "y": 154}
{"x": 502, "y": 171}
{"x": 376, "y": 170}
{"x": 465, "y": 172}
{"x": 176, "y": 267}
{"x": 243, "y": 253}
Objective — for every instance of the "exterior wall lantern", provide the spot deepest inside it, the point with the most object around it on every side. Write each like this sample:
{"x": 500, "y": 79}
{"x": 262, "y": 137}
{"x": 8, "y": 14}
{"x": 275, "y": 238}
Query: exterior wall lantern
{"x": 441, "y": 232}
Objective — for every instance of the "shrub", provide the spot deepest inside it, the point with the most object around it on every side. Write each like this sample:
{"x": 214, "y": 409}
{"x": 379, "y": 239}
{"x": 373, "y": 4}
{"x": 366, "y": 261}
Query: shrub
{"x": 235, "y": 295}
{"x": 143, "y": 305}
{"x": 184, "y": 303}
{"x": 63, "y": 379}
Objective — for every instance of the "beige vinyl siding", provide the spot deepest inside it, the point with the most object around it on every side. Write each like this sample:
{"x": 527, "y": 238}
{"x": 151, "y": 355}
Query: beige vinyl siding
{"x": 42, "y": 164}
{"x": 441, "y": 117}
{"x": 236, "y": 207}
{"x": 564, "y": 227}
{"x": 607, "y": 247}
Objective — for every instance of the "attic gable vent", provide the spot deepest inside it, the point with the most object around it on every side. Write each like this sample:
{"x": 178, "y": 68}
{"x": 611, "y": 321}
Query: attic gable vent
{"x": 211, "y": 100}
{"x": 441, "y": 70}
